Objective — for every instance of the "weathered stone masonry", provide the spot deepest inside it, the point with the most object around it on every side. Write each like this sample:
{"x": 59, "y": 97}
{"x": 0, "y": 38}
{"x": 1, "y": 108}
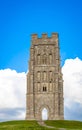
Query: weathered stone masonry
{"x": 44, "y": 79}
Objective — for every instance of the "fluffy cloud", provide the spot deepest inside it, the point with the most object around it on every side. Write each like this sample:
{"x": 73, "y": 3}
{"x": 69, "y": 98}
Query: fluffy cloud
{"x": 72, "y": 75}
{"x": 12, "y": 93}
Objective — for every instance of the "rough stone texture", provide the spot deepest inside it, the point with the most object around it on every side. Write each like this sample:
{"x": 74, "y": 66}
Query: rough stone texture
{"x": 44, "y": 79}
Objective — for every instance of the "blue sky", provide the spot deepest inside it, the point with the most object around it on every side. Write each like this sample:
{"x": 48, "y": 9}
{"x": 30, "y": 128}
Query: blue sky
{"x": 20, "y": 18}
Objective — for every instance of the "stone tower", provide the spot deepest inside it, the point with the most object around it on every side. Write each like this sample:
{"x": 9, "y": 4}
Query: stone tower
{"x": 44, "y": 79}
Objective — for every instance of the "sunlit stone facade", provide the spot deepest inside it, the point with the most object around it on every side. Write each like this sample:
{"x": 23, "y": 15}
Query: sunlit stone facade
{"x": 44, "y": 79}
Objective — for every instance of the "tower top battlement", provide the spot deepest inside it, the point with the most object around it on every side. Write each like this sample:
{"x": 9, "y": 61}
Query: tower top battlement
{"x": 44, "y": 38}
{"x": 44, "y": 35}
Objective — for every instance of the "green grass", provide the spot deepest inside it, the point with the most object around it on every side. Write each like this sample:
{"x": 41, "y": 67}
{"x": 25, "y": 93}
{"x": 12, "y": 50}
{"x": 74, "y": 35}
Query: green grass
{"x": 65, "y": 124}
{"x": 33, "y": 125}
{"x": 21, "y": 125}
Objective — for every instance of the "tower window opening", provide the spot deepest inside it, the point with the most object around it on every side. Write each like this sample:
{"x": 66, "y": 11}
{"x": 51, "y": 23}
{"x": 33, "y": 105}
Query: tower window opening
{"x": 44, "y": 89}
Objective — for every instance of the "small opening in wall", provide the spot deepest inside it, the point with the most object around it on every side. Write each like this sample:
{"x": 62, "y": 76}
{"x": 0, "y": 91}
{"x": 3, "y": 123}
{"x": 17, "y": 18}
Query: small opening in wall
{"x": 44, "y": 89}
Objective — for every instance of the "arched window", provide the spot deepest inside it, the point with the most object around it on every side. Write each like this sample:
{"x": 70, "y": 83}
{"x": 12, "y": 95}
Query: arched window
{"x": 44, "y": 89}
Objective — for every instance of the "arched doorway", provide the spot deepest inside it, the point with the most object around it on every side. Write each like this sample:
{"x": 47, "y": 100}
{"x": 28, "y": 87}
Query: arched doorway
{"x": 44, "y": 114}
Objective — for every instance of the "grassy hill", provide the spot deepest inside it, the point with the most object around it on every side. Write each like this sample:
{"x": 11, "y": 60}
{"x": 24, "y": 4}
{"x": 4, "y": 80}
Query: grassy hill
{"x": 33, "y": 125}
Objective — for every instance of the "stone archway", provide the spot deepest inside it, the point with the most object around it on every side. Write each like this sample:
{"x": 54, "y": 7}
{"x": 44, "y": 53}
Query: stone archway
{"x": 44, "y": 114}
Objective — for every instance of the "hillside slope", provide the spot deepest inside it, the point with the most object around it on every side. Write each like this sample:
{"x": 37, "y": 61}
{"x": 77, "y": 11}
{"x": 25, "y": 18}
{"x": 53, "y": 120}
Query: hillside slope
{"x": 33, "y": 125}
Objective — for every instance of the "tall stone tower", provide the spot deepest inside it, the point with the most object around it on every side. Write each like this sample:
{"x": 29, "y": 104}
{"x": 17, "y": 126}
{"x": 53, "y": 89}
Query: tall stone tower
{"x": 44, "y": 79}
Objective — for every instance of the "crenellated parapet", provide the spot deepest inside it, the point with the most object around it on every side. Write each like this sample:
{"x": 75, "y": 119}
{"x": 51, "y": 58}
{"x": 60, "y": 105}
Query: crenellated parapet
{"x": 45, "y": 39}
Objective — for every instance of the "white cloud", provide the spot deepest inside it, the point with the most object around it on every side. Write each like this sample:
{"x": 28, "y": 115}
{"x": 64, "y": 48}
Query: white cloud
{"x": 72, "y": 75}
{"x": 12, "y": 95}
{"x": 12, "y": 89}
